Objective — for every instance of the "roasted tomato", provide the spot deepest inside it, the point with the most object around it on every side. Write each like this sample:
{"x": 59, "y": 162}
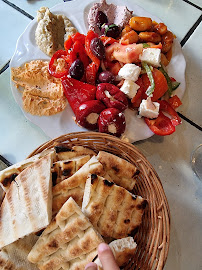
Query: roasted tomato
{"x": 160, "y": 81}
{"x": 87, "y": 114}
{"x": 112, "y": 121}
{"x": 111, "y": 96}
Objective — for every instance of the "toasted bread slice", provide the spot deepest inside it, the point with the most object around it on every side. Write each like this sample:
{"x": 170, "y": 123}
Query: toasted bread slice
{"x": 113, "y": 211}
{"x": 64, "y": 152}
{"x": 123, "y": 250}
{"x": 64, "y": 169}
{"x": 122, "y": 172}
{"x": 27, "y": 205}
{"x": 69, "y": 236}
{"x": 74, "y": 185}
{"x": 14, "y": 256}
{"x": 10, "y": 173}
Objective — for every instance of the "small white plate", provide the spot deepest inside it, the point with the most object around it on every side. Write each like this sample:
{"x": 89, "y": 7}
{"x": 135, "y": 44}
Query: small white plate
{"x": 62, "y": 123}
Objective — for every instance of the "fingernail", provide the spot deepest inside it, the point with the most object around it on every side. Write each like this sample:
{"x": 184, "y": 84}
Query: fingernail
{"x": 103, "y": 247}
{"x": 91, "y": 266}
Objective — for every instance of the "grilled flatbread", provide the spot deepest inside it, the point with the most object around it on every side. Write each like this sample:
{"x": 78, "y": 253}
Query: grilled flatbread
{"x": 27, "y": 205}
{"x": 64, "y": 152}
{"x": 113, "y": 211}
{"x": 122, "y": 172}
{"x": 61, "y": 170}
{"x": 74, "y": 185}
{"x": 14, "y": 256}
{"x": 123, "y": 250}
{"x": 68, "y": 237}
{"x": 9, "y": 174}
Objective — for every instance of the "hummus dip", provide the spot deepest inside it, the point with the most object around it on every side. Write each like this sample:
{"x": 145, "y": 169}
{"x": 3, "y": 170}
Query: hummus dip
{"x": 52, "y": 30}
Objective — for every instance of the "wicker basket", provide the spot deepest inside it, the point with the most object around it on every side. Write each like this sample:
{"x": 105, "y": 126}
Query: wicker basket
{"x": 153, "y": 236}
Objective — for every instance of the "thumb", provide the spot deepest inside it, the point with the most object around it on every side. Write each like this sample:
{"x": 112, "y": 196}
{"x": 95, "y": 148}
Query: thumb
{"x": 91, "y": 266}
{"x": 106, "y": 257}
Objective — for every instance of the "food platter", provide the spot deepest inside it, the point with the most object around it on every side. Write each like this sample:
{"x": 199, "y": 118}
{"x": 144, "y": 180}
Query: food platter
{"x": 62, "y": 123}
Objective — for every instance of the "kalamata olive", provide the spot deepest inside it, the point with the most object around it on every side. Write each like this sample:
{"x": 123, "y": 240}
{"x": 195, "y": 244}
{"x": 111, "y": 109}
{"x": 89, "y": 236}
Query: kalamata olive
{"x": 110, "y": 30}
{"x": 100, "y": 19}
{"x": 106, "y": 77}
{"x": 97, "y": 48}
{"x": 76, "y": 70}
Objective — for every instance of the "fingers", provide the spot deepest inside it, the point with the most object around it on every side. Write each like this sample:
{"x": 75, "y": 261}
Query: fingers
{"x": 106, "y": 257}
{"x": 91, "y": 266}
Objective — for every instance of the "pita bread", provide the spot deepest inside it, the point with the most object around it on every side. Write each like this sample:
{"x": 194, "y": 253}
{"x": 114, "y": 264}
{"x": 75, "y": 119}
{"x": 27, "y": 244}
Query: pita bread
{"x": 27, "y": 205}
{"x": 69, "y": 236}
{"x": 14, "y": 256}
{"x": 61, "y": 170}
{"x": 122, "y": 172}
{"x": 64, "y": 152}
{"x": 113, "y": 211}
{"x": 74, "y": 185}
{"x": 123, "y": 250}
{"x": 11, "y": 172}
{"x": 36, "y": 105}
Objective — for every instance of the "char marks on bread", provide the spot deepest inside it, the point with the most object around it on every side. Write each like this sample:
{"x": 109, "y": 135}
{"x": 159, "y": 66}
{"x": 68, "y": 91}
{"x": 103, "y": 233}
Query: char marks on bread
{"x": 27, "y": 205}
{"x": 69, "y": 238}
{"x": 113, "y": 211}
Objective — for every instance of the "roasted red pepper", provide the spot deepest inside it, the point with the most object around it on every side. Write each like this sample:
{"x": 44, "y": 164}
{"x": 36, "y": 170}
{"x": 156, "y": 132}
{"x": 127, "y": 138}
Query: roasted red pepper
{"x": 175, "y": 102}
{"x": 166, "y": 107}
{"x": 111, "y": 96}
{"x": 162, "y": 125}
{"x": 88, "y": 112}
{"x": 68, "y": 43}
{"x": 92, "y": 69}
{"x": 53, "y": 69}
{"x": 112, "y": 121}
{"x": 108, "y": 40}
{"x": 77, "y": 92}
{"x": 137, "y": 99}
{"x": 91, "y": 35}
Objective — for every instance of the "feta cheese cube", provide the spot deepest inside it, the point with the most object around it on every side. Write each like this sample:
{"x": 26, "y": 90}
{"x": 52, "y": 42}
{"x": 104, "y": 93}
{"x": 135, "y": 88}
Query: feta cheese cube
{"x": 129, "y": 88}
{"x": 151, "y": 56}
{"x": 149, "y": 109}
{"x": 130, "y": 72}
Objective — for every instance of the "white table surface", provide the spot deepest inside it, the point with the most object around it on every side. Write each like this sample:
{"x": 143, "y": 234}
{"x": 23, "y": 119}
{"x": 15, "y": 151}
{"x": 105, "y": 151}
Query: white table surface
{"x": 169, "y": 155}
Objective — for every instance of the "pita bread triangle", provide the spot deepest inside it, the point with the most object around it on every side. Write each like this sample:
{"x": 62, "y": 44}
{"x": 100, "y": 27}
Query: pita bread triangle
{"x": 27, "y": 205}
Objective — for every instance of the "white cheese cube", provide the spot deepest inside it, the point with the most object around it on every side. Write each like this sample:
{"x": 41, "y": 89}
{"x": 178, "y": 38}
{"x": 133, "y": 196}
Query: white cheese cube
{"x": 130, "y": 72}
{"x": 151, "y": 56}
{"x": 149, "y": 109}
{"x": 129, "y": 88}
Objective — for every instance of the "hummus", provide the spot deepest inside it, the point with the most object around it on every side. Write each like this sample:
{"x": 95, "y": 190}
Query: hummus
{"x": 42, "y": 93}
{"x": 119, "y": 15}
{"x": 52, "y": 30}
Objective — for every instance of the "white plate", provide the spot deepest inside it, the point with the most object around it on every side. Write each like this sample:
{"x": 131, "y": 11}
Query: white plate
{"x": 62, "y": 123}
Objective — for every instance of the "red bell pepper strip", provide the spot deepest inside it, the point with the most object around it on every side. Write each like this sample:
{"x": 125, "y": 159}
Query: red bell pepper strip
{"x": 80, "y": 52}
{"x": 58, "y": 73}
{"x": 175, "y": 102}
{"x": 91, "y": 35}
{"x": 166, "y": 107}
{"x": 137, "y": 99}
{"x": 79, "y": 37}
{"x": 91, "y": 73}
{"x": 162, "y": 125}
{"x": 107, "y": 40}
{"x": 68, "y": 43}
{"x": 77, "y": 92}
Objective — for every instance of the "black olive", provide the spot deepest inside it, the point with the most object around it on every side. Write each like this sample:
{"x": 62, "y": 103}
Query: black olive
{"x": 76, "y": 70}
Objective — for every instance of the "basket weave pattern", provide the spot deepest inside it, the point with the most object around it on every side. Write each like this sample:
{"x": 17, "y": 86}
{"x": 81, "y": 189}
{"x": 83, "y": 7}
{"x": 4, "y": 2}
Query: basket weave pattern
{"x": 153, "y": 236}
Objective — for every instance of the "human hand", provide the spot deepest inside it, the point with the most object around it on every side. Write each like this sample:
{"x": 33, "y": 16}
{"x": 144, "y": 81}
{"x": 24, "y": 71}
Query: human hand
{"x": 106, "y": 257}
